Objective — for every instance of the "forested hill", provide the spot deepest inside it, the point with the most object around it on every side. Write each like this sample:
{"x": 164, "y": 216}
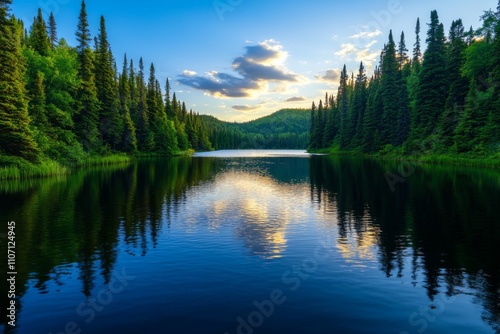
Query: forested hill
{"x": 284, "y": 129}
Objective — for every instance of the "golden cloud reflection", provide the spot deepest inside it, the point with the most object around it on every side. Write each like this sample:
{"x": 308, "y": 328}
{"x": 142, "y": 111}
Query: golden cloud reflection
{"x": 260, "y": 209}
{"x": 358, "y": 238}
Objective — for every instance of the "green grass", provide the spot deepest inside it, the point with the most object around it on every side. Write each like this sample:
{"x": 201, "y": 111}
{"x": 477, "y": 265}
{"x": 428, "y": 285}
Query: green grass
{"x": 17, "y": 168}
{"x": 159, "y": 155}
{"x": 113, "y": 159}
{"x": 14, "y": 168}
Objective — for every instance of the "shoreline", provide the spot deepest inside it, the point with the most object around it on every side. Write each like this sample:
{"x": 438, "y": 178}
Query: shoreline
{"x": 492, "y": 161}
{"x": 18, "y": 169}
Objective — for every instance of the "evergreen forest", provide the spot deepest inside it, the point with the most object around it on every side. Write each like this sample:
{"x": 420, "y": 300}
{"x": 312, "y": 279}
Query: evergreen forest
{"x": 444, "y": 101}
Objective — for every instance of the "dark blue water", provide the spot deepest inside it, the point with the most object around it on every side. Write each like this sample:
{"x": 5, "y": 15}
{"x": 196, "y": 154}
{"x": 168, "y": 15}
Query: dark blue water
{"x": 279, "y": 242}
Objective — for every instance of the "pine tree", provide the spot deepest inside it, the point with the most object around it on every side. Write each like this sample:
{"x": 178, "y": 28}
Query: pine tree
{"x": 433, "y": 84}
{"x": 16, "y": 137}
{"x": 168, "y": 103}
{"x": 417, "y": 50}
{"x": 110, "y": 121}
{"x": 162, "y": 129}
{"x": 319, "y": 127}
{"x": 38, "y": 39}
{"x": 359, "y": 106}
{"x": 330, "y": 129}
{"x": 402, "y": 57}
{"x": 459, "y": 84}
{"x": 129, "y": 139}
{"x": 87, "y": 118}
{"x": 52, "y": 31}
{"x": 343, "y": 105}
{"x": 312, "y": 139}
{"x": 390, "y": 90}
{"x": 145, "y": 138}
{"x": 374, "y": 109}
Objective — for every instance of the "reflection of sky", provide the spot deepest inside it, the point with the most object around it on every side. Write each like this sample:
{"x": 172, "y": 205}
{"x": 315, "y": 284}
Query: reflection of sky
{"x": 259, "y": 208}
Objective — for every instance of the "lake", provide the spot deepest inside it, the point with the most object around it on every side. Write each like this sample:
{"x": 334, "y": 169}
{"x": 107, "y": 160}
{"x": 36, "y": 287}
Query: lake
{"x": 256, "y": 242}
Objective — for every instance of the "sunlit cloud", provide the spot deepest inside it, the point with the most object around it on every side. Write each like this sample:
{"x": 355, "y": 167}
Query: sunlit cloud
{"x": 261, "y": 69}
{"x": 296, "y": 99}
{"x": 188, "y": 73}
{"x": 367, "y": 34}
{"x": 363, "y": 53}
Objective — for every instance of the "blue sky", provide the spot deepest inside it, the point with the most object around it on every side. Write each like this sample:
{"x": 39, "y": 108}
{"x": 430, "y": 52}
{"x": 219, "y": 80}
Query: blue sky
{"x": 242, "y": 59}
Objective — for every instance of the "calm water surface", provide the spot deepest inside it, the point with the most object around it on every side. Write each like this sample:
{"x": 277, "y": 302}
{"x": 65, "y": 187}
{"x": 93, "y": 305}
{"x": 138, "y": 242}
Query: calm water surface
{"x": 256, "y": 242}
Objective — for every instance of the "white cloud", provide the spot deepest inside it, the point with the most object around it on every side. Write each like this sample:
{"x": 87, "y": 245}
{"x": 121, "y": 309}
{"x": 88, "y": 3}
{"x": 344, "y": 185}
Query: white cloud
{"x": 188, "y": 73}
{"x": 367, "y": 34}
{"x": 260, "y": 70}
{"x": 363, "y": 53}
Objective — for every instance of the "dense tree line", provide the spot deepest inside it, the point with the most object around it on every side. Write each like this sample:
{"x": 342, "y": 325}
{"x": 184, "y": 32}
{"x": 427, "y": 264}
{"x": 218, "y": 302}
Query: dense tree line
{"x": 66, "y": 103}
{"x": 444, "y": 101}
{"x": 285, "y": 129}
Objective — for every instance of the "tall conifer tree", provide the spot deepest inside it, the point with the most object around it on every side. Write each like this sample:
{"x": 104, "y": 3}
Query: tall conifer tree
{"x": 110, "y": 122}
{"x": 433, "y": 84}
{"x": 16, "y": 137}
{"x": 87, "y": 118}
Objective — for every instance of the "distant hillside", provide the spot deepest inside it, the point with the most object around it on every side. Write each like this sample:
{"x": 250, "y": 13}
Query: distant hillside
{"x": 285, "y": 129}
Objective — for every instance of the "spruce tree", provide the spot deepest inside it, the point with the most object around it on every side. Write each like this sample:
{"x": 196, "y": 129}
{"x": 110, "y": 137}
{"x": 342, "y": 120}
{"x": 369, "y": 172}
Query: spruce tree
{"x": 87, "y": 117}
{"x": 39, "y": 39}
{"x": 343, "y": 105}
{"x": 433, "y": 84}
{"x": 459, "y": 84}
{"x": 52, "y": 31}
{"x": 312, "y": 139}
{"x": 359, "y": 106}
{"x": 329, "y": 133}
{"x": 402, "y": 56}
{"x": 319, "y": 126}
{"x": 374, "y": 109}
{"x": 390, "y": 90}
{"x": 145, "y": 138}
{"x": 168, "y": 103}
{"x": 162, "y": 129}
{"x": 110, "y": 121}
{"x": 417, "y": 49}
{"x": 16, "y": 137}
{"x": 129, "y": 139}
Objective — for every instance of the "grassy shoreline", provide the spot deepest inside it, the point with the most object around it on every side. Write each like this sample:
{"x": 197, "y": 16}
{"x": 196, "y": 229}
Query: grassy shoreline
{"x": 490, "y": 161}
{"x": 12, "y": 168}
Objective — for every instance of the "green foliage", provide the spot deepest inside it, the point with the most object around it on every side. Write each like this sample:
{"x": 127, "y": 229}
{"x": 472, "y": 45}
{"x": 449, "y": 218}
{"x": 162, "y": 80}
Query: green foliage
{"x": 64, "y": 106}
{"x": 87, "y": 117}
{"x": 390, "y": 91}
{"x": 16, "y": 137}
{"x": 110, "y": 120}
{"x": 433, "y": 82}
{"x": 446, "y": 106}
{"x": 38, "y": 38}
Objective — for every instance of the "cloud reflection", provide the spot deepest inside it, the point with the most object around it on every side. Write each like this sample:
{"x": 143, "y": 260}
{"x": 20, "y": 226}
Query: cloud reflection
{"x": 257, "y": 208}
